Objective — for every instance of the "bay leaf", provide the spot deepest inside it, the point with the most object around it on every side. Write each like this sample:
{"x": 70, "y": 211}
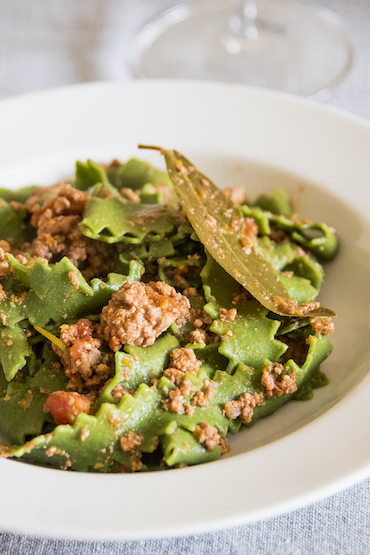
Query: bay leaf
{"x": 218, "y": 222}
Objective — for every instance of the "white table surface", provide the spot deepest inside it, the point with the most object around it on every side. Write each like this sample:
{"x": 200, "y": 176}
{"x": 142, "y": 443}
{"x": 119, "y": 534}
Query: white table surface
{"x": 49, "y": 43}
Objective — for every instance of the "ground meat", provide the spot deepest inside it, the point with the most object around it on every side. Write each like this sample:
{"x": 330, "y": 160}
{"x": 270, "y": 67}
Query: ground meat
{"x": 225, "y": 447}
{"x": 228, "y": 315}
{"x": 130, "y": 194}
{"x": 174, "y": 374}
{"x": 93, "y": 258}
{"x": 56, "y": 226}
{"x": 2, "y": 297}
{"x": 322, "y": 325}
{"x": 136, "y": 463}
{"x": 249, "y": 234}
{"x": 247, "y": 243}
{"x": 119, "y": 391}
{"x": 243, "y": 407}
{"x": 290, "y": 306}
{"x": 250, "y": 228}
{"x": 174, "y": 402}
{"x": 56, "y": 214}
{"x": 278, "y": 235}
{"x": 4, "y": 264}
{"x": 203, "y": 397}
{"x": 51, "y": 451}
{"x": 179, "y": 273}
{"x": 138, "y": 313}
{"x": 189, "y": 409}
{"x": 65, "y": 406}
{"x": 115, "y": 163}
{"x": 207, "y": 435}
{"x": 240, "y": 298}
{"x": 115, "y": 419}
{"x": 130, "y": 440}
{"x": 275, "y": 382}
{"x": 84, "y": 364}
{"x": 73, "y": 278}
{"x": 85, "y": 432}
{"x": 60, "y": 199}
{"x": 182, "y": 361}
{"x": 198, "y": 336}
{"x": 27, "y": 400}
{"x": 236, "y": 194}
{"x": 18, "y": 299}
{"x": 199, "y": 318}
{"x": 5, "y": 245}
{"x": 196, "y": 299}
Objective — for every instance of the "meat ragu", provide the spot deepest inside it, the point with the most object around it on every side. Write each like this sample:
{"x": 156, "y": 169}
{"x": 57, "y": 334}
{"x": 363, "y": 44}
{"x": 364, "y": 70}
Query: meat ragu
{"x": 130, "y": 338}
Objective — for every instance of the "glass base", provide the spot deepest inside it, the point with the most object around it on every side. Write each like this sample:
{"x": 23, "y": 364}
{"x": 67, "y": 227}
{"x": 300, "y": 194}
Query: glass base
{"x": 293, "y": 47}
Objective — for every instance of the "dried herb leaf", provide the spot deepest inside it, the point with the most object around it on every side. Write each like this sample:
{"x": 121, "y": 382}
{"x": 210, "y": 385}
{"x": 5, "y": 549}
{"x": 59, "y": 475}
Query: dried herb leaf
{"x": 218, "y": 223}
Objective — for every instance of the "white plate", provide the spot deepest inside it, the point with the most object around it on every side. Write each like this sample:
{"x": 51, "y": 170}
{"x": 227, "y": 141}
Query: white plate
{"x": 306, "y": 450}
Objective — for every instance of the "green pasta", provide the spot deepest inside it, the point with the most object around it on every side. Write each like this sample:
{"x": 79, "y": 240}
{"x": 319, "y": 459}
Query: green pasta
{"x": 129, "y": 341}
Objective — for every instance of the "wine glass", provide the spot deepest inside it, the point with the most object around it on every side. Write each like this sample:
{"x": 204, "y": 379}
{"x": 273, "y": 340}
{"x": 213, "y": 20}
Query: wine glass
{"x": 286, "y": 45}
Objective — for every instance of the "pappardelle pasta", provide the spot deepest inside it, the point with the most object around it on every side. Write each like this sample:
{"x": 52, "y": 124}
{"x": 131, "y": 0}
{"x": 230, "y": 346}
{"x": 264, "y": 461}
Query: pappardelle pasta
{"x": 145, "y": 314}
